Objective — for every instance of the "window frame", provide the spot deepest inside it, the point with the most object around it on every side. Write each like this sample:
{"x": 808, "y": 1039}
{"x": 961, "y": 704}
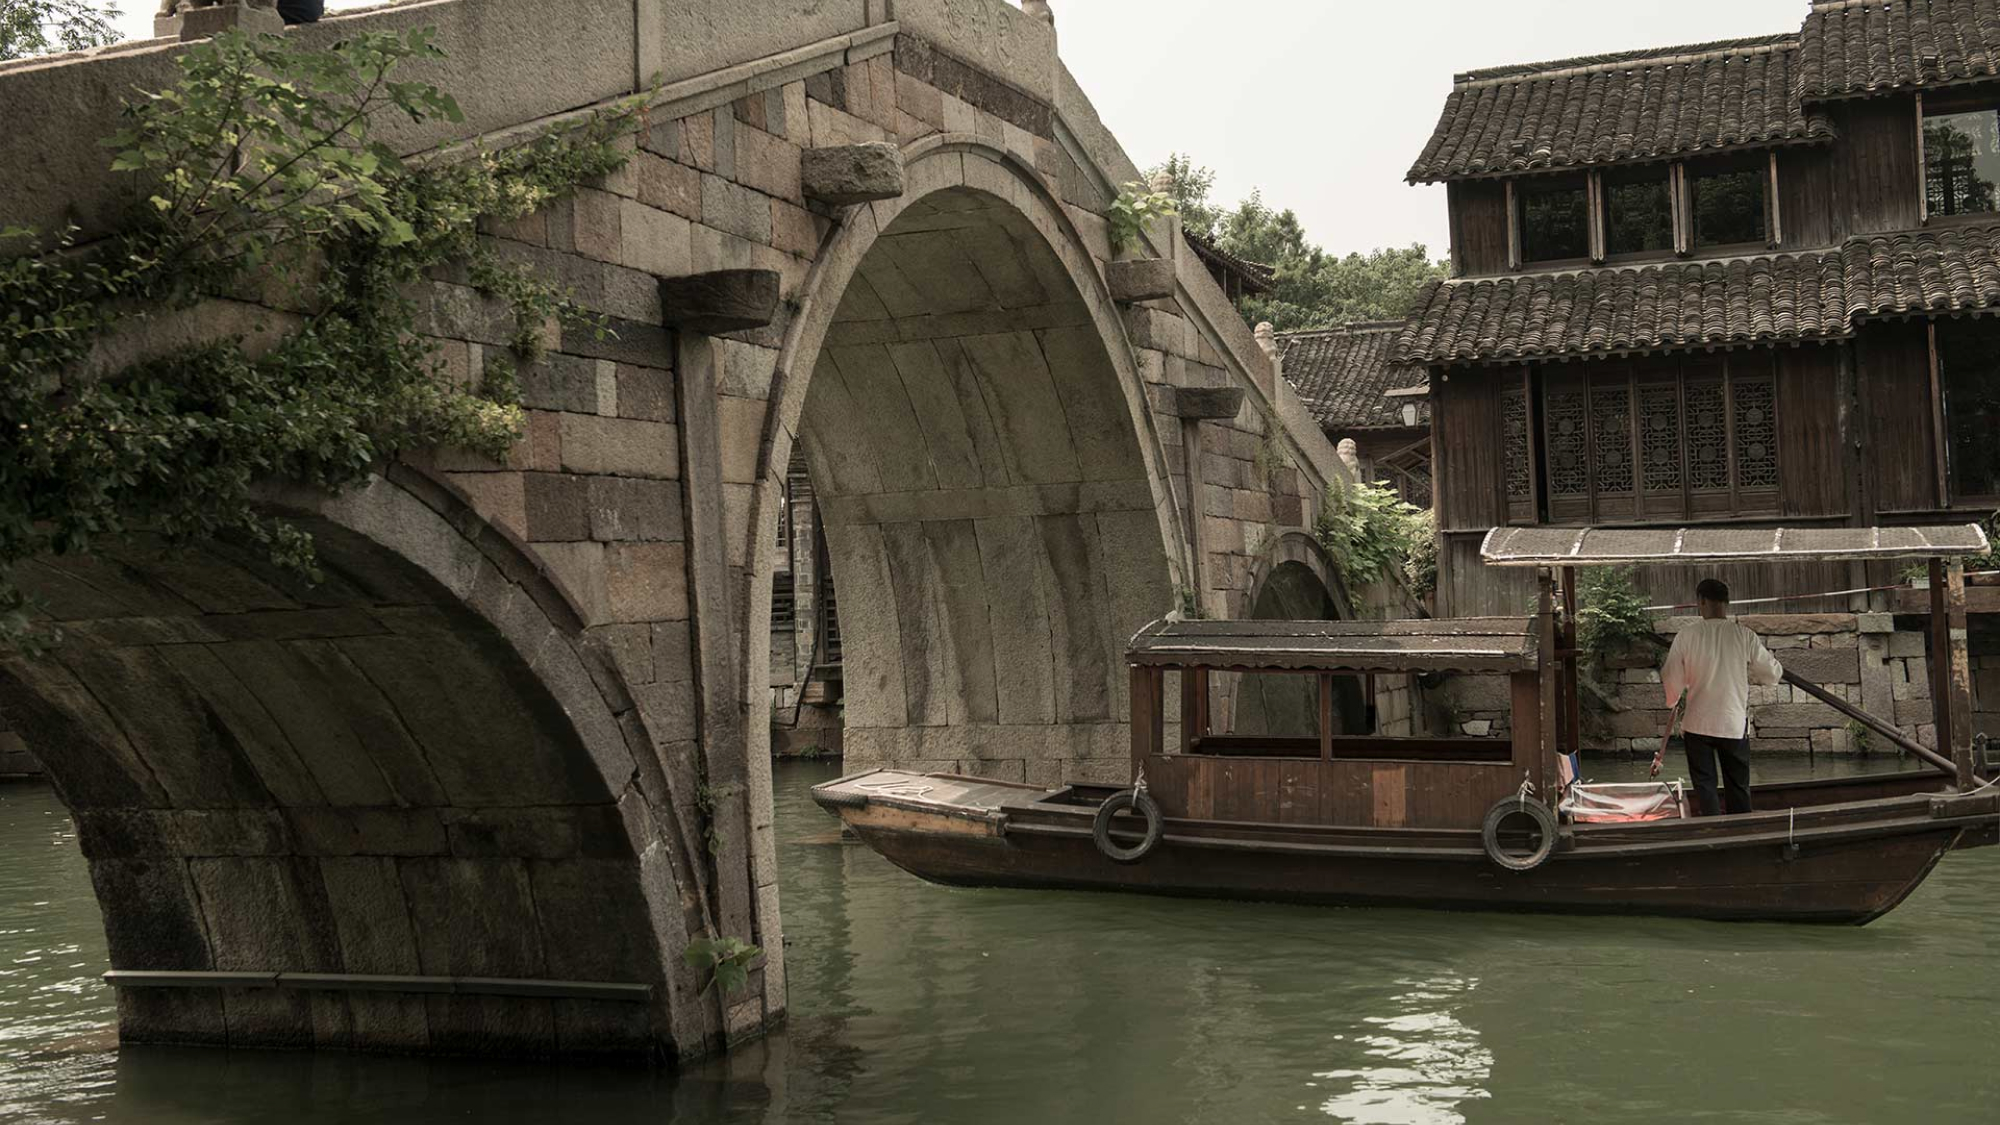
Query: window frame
{"x": 1944, "y": 103}
{"x": 1585, "y": 391}
{"x": 1610, "y": 178}
{"x": 1954, "y": 495}
{"x": 1764, "y": 166}
{"x": 1518, "y": 225}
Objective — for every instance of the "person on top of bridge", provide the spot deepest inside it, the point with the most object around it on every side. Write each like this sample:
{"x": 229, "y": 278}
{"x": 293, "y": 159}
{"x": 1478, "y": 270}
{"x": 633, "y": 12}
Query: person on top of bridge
{"x": 1712, "y": 663}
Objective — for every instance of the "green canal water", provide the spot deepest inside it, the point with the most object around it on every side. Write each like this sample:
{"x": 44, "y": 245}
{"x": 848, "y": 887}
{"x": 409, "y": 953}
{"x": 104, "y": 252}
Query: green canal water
{"x": 920, "y": 1004}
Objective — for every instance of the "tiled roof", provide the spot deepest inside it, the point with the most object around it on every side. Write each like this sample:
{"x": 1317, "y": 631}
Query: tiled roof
{"x": 1342, "y": 373}
{"x": 1639, "y": 105}
{"x": 1870, "y": 46}
{"x": 1770, "y": 299}
{"x": 1254, "y": 276}
{"x": 1944, "y": 270}
{"x": 1612, "y": 311}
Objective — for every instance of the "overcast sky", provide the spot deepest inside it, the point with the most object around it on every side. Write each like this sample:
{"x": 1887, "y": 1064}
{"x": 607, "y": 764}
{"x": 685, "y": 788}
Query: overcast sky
{"x": 1324, "y": 104}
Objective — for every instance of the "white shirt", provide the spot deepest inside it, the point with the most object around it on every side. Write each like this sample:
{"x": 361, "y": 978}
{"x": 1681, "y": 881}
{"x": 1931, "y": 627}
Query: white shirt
{"x": 1716, "y": 660}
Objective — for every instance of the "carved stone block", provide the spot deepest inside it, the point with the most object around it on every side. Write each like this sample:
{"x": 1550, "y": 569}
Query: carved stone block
{"x": 852, "y": 173}
{"x": 720, "y": 300}
{"x": 1141, "y": 279}
{"x": 1218, "y": 403}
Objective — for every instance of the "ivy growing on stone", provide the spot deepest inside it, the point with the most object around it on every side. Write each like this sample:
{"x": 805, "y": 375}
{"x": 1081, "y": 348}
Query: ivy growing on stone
{"x": 261, "y": 181}
{"x": 1367, "y": 531}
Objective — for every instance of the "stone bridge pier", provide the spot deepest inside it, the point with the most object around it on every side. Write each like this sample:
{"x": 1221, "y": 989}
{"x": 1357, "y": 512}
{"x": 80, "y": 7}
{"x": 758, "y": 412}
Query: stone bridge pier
{"x": 481, "y": 788}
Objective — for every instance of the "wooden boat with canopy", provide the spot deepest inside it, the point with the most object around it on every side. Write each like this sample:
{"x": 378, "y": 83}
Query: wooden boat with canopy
{"x": 1460, "y": 822}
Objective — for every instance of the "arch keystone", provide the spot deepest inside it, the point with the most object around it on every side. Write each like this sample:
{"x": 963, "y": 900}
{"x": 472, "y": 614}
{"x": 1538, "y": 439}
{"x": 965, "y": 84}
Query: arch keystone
{"x": 847, "y": 174}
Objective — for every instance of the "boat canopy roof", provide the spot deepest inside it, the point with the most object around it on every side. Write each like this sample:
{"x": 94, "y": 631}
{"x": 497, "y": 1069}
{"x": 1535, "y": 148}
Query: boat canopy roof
{"x": 1598, "y": 546}
{"x": 1460, "y": 644}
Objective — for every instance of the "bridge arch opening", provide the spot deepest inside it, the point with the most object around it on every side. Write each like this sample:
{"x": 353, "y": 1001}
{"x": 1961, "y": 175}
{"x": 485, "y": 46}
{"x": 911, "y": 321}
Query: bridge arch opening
{"x": 403, "y": 781}
{"x": 987, "y": 477}
{"x": 1295, "y": 581}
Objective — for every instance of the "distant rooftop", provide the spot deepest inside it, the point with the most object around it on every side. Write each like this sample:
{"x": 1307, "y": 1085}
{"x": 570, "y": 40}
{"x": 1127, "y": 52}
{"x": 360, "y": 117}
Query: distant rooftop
{"x": 1345, "y": 375}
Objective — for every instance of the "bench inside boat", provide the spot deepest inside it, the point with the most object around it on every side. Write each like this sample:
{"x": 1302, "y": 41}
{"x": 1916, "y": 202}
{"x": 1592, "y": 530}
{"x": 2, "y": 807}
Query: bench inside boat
{"x": 1323, "y": 774}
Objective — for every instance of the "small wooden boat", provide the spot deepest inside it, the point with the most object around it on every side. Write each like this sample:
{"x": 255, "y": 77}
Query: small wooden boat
{"x": 1452, "y": 822}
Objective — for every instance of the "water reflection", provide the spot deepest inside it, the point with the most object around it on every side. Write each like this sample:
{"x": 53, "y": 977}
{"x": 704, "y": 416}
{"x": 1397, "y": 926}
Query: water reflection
{"x": 1431, "y": 1061}
{"x": 919, "y": 1004}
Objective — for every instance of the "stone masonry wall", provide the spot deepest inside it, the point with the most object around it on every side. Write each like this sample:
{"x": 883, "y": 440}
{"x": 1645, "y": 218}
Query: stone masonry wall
{"x": 1861, "y": 658}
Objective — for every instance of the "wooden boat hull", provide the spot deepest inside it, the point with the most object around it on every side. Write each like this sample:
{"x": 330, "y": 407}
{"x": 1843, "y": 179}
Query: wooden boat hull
{"x": 1849, "y": 874}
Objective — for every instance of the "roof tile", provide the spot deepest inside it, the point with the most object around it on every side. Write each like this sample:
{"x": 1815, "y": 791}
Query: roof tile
{"x": 1767, "y": 299}
{"x": 1638, "y": 105}
{"x": 1853, "y": 47}
{"x": 1342, "y": 373}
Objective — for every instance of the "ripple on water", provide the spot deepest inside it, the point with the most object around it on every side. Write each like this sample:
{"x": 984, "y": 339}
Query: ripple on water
{"x": 920, "y": 1004}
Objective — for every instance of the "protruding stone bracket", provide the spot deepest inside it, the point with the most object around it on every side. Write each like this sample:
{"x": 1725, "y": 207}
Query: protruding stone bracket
{"x": 202, "y": 19}
{"x": 847, "y": 174}
{"x": 1208, "y": 403}
{"x": 1140, "y": 279}
{"x": 720, "y": 300}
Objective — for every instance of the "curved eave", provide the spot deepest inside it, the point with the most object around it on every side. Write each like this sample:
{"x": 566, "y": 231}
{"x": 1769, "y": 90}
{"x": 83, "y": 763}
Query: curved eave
{"x": 1531, "y": 168}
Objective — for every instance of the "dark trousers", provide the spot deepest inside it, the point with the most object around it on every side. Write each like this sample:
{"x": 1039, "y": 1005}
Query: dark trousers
{"x": 1704, "y": 752}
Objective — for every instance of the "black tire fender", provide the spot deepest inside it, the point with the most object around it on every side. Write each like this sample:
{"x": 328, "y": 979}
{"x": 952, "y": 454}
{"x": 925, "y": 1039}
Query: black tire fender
{"x": 1545, "y": 822}
{"x": 1137, "y": 801}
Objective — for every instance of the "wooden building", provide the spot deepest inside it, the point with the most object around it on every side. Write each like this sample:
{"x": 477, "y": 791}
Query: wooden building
{"x": 1731, "y": 283}
{"x": 1347, "y": 378}
{"x": 1237, "y": 277}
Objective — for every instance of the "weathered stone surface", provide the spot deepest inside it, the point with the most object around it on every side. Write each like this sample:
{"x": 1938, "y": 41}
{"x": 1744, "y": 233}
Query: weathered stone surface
{"x": 619, "y": 446}
{"x": 1213, "y": 403}
{"x": 847, "y": 174}
{"x": 721, "y": 300}
{"x": 1824, "y": 665}
{"x": 1796, "y": 715}
{"x": 1140, "y": 279}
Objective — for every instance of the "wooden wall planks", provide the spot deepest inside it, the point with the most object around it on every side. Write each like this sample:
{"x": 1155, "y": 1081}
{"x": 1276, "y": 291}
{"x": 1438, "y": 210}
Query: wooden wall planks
{"x": 1479, "y": 226}
{"x": 1307, "y": 792}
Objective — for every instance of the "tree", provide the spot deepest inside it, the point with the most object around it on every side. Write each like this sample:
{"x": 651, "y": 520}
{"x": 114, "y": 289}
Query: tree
{"x": 38, "y": 27}
{"x": 1312, "y": 289}
{"x": 1190, "y": 192}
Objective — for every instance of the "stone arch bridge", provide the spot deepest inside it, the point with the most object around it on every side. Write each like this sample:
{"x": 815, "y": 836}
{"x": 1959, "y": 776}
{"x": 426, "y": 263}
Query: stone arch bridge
{"x": 481, "y": 788}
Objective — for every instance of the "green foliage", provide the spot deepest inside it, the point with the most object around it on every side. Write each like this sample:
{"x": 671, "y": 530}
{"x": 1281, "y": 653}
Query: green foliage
{"x": 1190, "y": 603}
{"x": 1367, "y": 530}
{"x": 1860, "y": 735}
{"x": 1420, "y": 570}
{"x": 1190, "y": 192}
{"x": 260, "y": 174}
{"x": 725, "y": 960}
{"x": 40, "y": 27}
{"x": 1271, "y": 453}
{"x": 1132, "y": 210}
{"x": 1611, "y": 614}
{"x": 1311, "y": 288}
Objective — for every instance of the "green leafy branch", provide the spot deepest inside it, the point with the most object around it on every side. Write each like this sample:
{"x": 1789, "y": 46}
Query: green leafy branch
{"x": 1367, "y": 530}
{"x": 257, "y": 165}
{"x": 1132, "y": 210}
{"x": 725, "y": 960}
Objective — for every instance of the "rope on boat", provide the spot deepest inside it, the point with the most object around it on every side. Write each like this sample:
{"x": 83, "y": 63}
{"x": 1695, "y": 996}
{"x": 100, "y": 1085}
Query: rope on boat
{"x": 905, "y": 789}
{"x": 1797, "y": 597}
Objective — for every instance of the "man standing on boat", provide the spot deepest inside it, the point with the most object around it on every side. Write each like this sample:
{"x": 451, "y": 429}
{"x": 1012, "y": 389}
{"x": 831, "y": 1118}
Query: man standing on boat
{"x": 1714, "y": 661}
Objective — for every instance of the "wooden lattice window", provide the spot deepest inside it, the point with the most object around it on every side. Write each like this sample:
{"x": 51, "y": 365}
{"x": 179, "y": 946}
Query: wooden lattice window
{"x": 1707, "y": 437}
{"x": 1756, "y": 434}
{"x": 1568, "y": 443}
{"x": 1663, "y": 442}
